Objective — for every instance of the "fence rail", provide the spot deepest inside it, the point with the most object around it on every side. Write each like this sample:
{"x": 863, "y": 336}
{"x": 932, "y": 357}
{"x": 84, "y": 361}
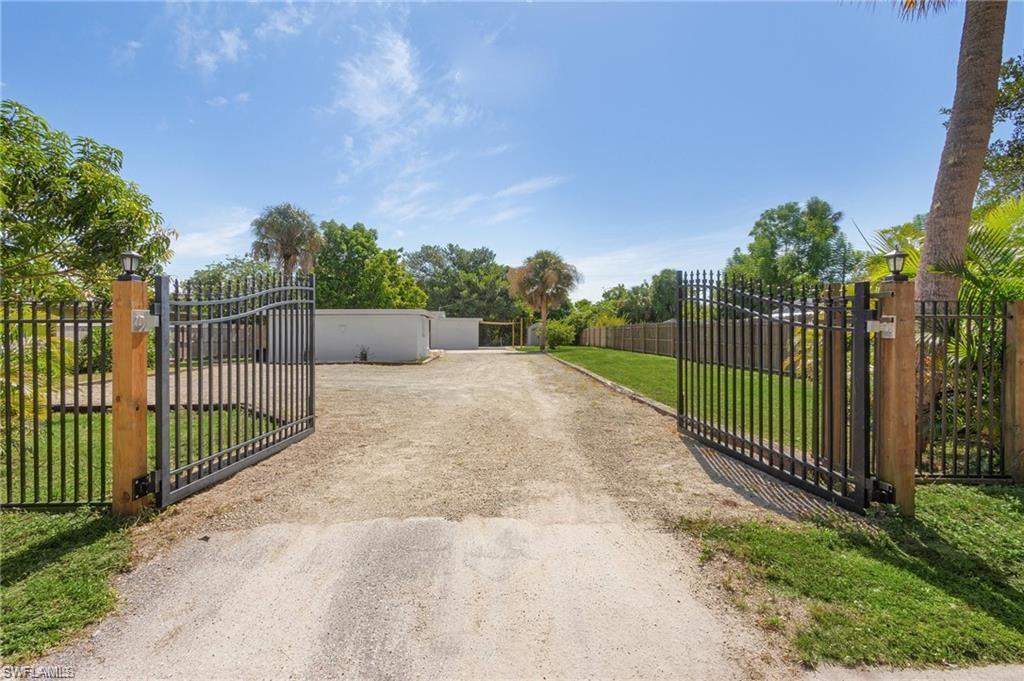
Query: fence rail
{"x": 56, "y": 443}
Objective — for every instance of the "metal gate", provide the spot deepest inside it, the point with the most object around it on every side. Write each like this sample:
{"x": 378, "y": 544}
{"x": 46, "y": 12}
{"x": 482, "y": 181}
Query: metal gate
{"x": 234, "y": 377}
{"x": 780, "y": 379}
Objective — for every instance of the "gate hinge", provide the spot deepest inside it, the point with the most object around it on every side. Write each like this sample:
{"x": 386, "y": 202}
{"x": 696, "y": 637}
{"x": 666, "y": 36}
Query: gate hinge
{"x": 882, "y": 492}
{"x": 144, "y": 485}
{"x": 886, "y": 326}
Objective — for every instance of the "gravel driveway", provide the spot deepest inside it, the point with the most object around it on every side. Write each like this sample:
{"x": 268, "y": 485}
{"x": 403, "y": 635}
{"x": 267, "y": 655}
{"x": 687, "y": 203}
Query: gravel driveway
{"x": 487, "y": 515}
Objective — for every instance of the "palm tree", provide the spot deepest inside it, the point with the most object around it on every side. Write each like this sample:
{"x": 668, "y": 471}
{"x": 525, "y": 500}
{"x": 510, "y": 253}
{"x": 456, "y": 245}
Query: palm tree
{"x": 970, "y": 125}
{"x": 544, "y": 281}
{"x": 286, "y": 235}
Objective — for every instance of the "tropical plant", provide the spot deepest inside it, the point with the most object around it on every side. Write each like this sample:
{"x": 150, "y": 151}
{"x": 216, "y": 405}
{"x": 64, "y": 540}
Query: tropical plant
{"x": 967, "y": 135}
{"x": 992, "y": 268}
{"x": 544, "y": 280}
{"x": 66, "y": 214}
{"x": 287, "y": 236}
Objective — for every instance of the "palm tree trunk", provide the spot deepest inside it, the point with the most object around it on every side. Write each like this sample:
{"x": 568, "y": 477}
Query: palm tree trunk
{"x": 543, "y": 325}
{"x": 970, "y": 125}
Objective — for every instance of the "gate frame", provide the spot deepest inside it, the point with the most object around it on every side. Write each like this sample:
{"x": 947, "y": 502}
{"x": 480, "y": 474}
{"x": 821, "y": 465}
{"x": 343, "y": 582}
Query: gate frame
{"x": 866, "y": 485}
{"x": 160, "y": 477}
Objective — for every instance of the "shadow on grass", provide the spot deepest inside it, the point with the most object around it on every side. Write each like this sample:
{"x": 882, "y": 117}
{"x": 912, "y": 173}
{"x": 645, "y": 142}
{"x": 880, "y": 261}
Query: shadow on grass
{"x": 917, "y": 546}
{"x": 762, "y": 489}
{"x": 35, "y": 556}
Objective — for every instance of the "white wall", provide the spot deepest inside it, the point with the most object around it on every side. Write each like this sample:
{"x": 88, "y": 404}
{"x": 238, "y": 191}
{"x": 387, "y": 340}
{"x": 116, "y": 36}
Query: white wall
{"x": 455, "y": 333}
{"x": 387, "y": 335}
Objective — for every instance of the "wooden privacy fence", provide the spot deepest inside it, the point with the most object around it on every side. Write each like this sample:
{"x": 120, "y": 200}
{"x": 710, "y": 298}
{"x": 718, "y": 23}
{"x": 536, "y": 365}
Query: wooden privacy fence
{"x": 766, "y": 348}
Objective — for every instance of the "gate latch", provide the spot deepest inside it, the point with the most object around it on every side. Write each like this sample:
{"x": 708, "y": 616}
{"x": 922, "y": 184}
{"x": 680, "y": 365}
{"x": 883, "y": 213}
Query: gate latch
{"x": 886, "y": 326}
{"x": 882, "y": 492}
{"x": 144, "y": 485}
{"x": 143, "y": 321}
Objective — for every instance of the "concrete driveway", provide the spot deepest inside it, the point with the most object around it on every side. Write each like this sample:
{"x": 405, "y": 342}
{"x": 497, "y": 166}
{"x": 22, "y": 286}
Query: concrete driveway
{"x": 487, "y": 515}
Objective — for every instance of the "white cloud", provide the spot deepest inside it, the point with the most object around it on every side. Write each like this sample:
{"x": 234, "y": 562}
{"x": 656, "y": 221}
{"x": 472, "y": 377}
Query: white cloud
{"x": 221, "y": 100}
{"x": 379, "y": 85}
{"x": 496, "y": 150}
{"x": 288, "y": 21}
{"x": 125, "y": 54}
{"x": 212, "y": 237}
{"x": 633, "y": 264}
{"x": 530, "y": 186}
{"x": 394, "y": 102}
{"x": 213, "y": 49}
{"x": 507, "y": 215}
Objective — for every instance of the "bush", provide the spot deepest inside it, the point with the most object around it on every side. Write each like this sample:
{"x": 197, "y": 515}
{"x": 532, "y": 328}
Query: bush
{"x": 560, "y": 333}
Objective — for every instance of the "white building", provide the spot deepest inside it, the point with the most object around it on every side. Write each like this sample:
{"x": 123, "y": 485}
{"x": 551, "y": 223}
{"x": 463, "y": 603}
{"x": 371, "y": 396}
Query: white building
{"x": 454, "y": 333}
{"x": 372, "y": 335}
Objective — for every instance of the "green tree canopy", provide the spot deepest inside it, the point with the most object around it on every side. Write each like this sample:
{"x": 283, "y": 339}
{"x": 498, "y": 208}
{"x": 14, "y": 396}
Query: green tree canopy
{"x": 233, "y": 269}
{"x": 354, "y": 272}
{"x": 66, "y": 212}
{"x": 1002, "y": 176}
{"x": 794, "y": 244}
{"x": 463, "y": 282}
{"x": 287, "y": 236}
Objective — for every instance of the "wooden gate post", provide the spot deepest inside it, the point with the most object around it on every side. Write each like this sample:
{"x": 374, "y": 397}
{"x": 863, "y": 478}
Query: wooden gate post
{"x": 895, "y": 371}
{"x": 1013, "y": 393}
{"x": 129, "y": 396}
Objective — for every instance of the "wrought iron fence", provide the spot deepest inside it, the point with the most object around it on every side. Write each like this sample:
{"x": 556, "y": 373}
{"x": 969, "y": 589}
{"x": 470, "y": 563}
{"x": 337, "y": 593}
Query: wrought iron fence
{"x": 806, "y": 422}
{"x": 960, "y": 390}
{"x": 56, "y": 363}
{"x": 235, "y": 377}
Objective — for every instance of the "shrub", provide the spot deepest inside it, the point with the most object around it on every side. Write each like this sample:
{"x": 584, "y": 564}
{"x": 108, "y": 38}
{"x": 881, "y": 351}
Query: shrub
{"x": 560, "y": 333}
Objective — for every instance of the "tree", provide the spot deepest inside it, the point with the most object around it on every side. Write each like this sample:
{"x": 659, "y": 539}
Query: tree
{"x": 544, "y": 280}
{"x": 66, "y": 213}
{"x": 232, "y": 269}
{"x": 967, "y": 135}
{"x": 1002, "y": 175}
{"x": 993, "y": 265}
{"x": 354, "y": 272}
{"x": 663, "y": 296}
{"x": 794, "y": 244}
{"x": 287, "y": 236}
{"x": 463, "y": 282}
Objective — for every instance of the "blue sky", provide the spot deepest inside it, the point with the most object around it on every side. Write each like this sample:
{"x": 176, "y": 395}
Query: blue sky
{"x": 629, "y": 137}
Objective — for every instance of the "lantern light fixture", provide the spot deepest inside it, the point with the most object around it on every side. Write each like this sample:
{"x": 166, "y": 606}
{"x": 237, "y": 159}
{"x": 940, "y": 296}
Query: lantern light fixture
{"x": 895, "y": 260}
{"x": 130, "y": 261}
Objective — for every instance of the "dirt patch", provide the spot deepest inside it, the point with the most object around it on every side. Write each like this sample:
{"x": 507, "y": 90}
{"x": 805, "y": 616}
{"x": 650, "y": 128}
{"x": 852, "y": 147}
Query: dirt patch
{"x": 488, "y": 514}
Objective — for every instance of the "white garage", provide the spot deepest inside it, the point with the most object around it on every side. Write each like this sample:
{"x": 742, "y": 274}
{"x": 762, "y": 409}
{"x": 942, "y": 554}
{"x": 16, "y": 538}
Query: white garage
{"x": 372, "y": 335}
{"x": 455, "y": 333}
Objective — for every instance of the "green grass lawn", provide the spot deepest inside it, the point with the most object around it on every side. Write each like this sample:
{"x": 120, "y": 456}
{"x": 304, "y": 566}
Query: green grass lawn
{"x": 654, "y": 376}
{"x": 56, "y": 575}
{"x": 944, "y": 588}
{"x": 88, "y": 476}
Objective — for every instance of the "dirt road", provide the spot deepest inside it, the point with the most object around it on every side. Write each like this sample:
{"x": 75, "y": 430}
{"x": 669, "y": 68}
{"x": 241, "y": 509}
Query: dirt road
{"x": 487, "y": 515}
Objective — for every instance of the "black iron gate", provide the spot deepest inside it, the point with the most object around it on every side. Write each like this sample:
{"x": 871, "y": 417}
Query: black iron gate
{"x": 234, "y": 377}
{"x": 779, "y": 378}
